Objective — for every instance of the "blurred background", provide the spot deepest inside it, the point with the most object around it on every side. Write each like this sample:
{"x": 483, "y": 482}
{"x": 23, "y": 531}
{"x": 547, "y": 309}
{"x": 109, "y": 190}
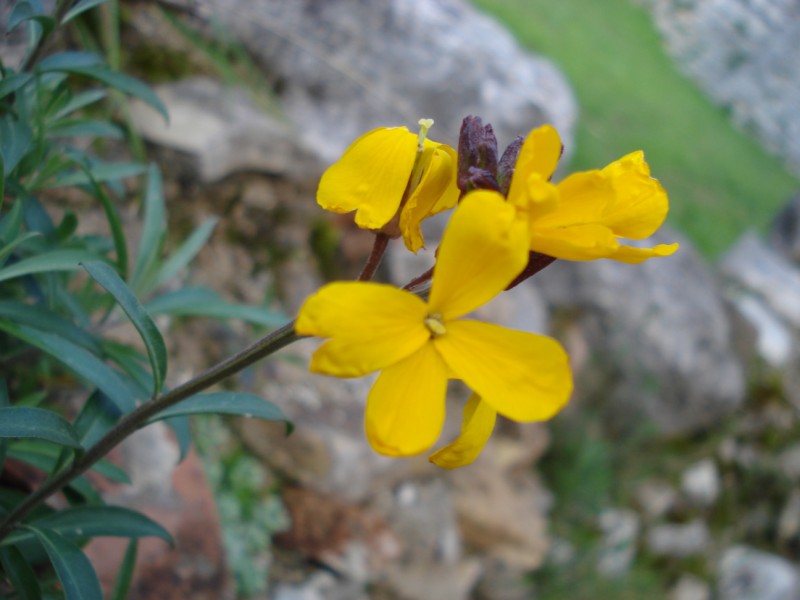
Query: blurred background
{"x": 675, "y": 471}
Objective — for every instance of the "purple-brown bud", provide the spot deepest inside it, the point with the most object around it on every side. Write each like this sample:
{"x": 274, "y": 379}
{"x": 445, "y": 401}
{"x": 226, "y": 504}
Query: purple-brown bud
{"x": 477, "y": 156}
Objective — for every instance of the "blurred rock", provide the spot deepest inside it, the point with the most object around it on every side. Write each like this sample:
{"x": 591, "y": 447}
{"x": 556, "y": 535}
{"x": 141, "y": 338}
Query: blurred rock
{"x": 774, "y": 338}
{"x": 343, "y": 67}
{"x": 222, "y": 132}
{"x": 789, "y": 521}
{"x": 756, "y": 267}
{"x": 321, "y": 585}
{"x": 655, "y": 498}
{"x": 679, "y": 540}
{"x": 690, "y": 587}
{"x": 620, "y": 529}
{"x": 177, "y": 496}
{"x": 701, "y": 483}
{"x": 355, "y": 542}
{"x": 789, "y": 462}
{"x": 784, "y": 234}
{"x": 657, "y": 336}
{"x": 749, "y": 574}
{"x": 426, "y": 581}
{"x": 500, "y": 515}
{"x": 744, "y": 53}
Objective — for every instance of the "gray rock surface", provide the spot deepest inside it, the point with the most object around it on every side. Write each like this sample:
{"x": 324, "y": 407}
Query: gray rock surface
{"x": 745, "y": 54}
{"x": 620, "y": 529}
{"x": 343, "y": 67}
{"x": 701, "y": 483}
{"x": 653, "y": 341}
{"x": 749, "y": 574}
{"x": 756, "y": 267}
{"x": 222, "y": 131}
{"x": 784, "y": 234}
{"x": 679, "y": 540}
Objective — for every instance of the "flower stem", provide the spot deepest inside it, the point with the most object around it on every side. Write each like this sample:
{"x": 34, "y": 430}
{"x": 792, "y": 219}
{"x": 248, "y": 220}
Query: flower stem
{"x": 267, "y": 345}
{"x": 375, "y": 256}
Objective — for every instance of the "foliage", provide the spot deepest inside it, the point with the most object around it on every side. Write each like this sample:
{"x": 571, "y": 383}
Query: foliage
{"x": 66, "y": 386}
{"x": 632, "y": 96}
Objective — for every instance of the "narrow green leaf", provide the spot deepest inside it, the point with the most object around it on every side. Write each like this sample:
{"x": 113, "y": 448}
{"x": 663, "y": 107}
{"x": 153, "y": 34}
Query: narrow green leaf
{"x": 124, "y": 83}
{"x": 81, "y": 362}
{"x": 41, "y": 318}
{"x": 154, "y": 343}
{"x": 15, "y": 140}
{"x": 68, "y": 61}
{"x": 22, "y": 11}
{"x": 20, "y": 573}
{"x": 4, "y": 401}
{"x": 154, "y": 231}
{"x": 45, "y": 457}
{"x": 125, "y": 574}
{"x": 183, "y": 434}
{"x": 6, "y": 250}
{"x": 85, "y": 128}
{"x": 76, "y": 574}
{"x": 11, "y": 224}
{"x": 54, "y": 260}
{"x": 224, "y": 403}
{"x": 100, "y": 172}
{"x": 98, "y": 414}
{"x": 203, "y": 302}
{"x": 114, "y": 224}
{"x": 2, "y": 182}
{"x": 102, "y": 521}
{"x": 80, "y": 7}
{"x": 25, "y": 422}
{"x": 12, "y": 83}
{"x": 186, "y": 252}
{"x": 78, "y": 102}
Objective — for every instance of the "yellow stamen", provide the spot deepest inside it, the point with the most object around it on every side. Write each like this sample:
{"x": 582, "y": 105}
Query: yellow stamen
{"x": 435, "y": 325}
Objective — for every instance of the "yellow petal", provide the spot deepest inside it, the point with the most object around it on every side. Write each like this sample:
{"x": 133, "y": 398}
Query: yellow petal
{"x": 539, "y": 154}
{"x": 634, "y": 256}
{"x": 370, "y": 177}
{"x": 483, "y": 248}
{"x": 640, "y": 204}
{"x": 372, "y": 326}
{"x": 523, "y": 376}
{"x": 437, "y": 191}
{"x": 580, "y": 242}
{"x": 583, "y": 199}
{"x": 406, "y": 406}
{"x": 476, "y": 428}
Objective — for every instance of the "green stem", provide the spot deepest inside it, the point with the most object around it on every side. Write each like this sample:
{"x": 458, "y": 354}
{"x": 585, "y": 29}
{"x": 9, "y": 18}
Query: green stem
{"x": 138, "y": 418}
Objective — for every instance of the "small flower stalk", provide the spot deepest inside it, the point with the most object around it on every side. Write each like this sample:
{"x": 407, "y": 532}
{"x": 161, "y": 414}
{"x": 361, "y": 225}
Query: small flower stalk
{"x": 509, "y": 222}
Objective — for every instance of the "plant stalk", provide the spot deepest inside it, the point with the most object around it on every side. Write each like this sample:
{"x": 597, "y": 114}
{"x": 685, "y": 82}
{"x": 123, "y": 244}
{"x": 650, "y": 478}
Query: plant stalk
{"x": 267, "y": 345}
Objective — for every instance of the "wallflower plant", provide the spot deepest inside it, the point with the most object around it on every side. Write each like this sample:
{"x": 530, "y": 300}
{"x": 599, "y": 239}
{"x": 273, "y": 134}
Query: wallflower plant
{"x": 490, "y": 244}
{"x": 510, "y": 221}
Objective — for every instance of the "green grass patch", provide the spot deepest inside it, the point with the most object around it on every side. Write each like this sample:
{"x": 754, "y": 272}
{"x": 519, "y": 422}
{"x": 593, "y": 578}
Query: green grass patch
{"x": 632, "y": 96}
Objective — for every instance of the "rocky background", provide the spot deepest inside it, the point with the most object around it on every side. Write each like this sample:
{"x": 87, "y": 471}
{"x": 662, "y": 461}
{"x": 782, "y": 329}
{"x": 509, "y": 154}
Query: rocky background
{"x": 687, "y": 371}
{"x": 745, "y": 55}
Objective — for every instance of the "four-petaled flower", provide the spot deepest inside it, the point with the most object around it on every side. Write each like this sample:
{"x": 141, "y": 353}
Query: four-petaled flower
{"x": 419, "y": 345}
{"x": 585, "y": 216}
{"x": 393, "y": 179}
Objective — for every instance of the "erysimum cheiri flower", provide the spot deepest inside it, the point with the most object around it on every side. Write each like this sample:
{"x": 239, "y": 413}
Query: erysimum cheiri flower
{"x": 419, "y": 345}
{"x": 587, "y": 215}
{"x": 393, "y": 179}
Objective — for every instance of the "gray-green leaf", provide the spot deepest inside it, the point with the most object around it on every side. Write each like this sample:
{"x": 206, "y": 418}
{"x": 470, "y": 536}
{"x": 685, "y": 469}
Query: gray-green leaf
{"x": 154, "y": 343}
{"x": 25, "y": 422}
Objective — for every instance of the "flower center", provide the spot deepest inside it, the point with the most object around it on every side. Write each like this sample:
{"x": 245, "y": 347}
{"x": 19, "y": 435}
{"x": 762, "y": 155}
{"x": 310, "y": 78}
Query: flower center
{"x": 435, "y": 325}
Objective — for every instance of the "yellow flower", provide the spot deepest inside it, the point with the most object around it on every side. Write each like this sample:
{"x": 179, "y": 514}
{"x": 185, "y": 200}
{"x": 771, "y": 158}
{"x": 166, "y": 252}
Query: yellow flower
{"x": 586, "y": 216}
{"x": 393, "y": 179}
{"x": 419, "y": 345}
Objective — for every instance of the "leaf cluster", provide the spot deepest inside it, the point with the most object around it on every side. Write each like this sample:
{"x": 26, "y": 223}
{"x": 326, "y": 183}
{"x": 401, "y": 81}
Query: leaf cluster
{"x": 64, "y": 382}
